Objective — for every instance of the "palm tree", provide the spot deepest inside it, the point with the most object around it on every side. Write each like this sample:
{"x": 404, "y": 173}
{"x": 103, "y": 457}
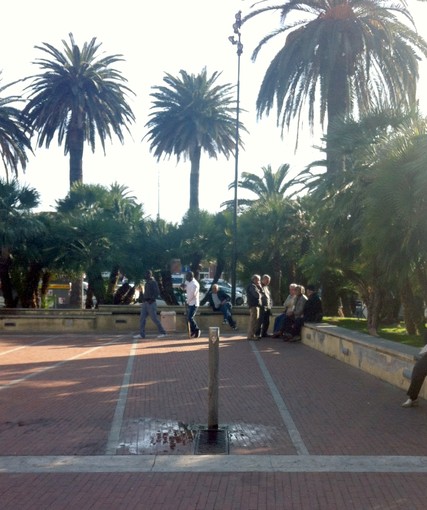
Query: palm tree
{"x": 344, "y": 55}
{"x": 78, "y": 95}
{"x": 271, "y": 185}
{"x": 190, "y": 114}
{"x": 14, "y": 142}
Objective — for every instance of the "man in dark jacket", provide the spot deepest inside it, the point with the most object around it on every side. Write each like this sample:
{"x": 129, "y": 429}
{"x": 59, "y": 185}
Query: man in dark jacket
{"x": 149, "y": 306}
{"x": 254, "y": 294}
{"x": 220, "y": 301}
{"x": 313, "y": 311}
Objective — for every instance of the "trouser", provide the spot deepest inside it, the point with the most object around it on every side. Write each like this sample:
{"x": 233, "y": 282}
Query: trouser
{"x": 278, "y": 323}
{"x": 298, "y": 324}
{"x": 149, "y": 310}
{"x": 192, "y": 309}
{"x": 264, "y": 321}
{"x": 419, "y": 373}
{"x": 254, "y": 313}
{"x": 225, "y": 308}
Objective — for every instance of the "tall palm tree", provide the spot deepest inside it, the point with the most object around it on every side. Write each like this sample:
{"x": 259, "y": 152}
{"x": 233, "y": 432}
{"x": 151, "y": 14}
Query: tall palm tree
{"x": 190, "y": 114}
{"x": 343, "y": 55}
{"x": 14, "y": 142}
{"x": 79, "y": 95}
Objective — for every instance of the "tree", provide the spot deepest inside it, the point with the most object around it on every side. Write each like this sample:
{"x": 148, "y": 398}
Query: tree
{"x": 78, "y": 95}
{"x": 14, "y": 141}
{"x": 343, "y": 55}
{"x": 101, "y": 222}
{"x": 17, "y": 226}
{"x": 271, "y": 185}
{"x": 190, "y": 114}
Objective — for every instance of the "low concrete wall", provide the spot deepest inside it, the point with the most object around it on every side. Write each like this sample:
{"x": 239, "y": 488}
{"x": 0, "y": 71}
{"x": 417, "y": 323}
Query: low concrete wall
{"x": 109, "y": 318}
{"x": 389, "y": 361}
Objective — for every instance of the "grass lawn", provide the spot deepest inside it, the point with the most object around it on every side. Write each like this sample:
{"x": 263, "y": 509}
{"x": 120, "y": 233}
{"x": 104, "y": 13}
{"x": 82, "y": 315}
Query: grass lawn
{"x": 396, "y": 333}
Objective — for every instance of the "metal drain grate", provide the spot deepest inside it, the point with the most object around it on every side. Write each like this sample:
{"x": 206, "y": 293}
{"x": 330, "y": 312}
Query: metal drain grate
{"x": 211, "y": 442}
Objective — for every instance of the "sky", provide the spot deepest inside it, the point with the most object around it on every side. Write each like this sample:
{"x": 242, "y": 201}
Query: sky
{"x": 157, "y": 38}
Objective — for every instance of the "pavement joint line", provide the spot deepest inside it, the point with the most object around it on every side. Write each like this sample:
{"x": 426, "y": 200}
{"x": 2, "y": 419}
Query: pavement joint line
{"x": 213, "y": 464}
{"x": 29, "y": 345}
{"x": 116, "y": 425}
{"x": 59, "y": 364}
{"x": 292, "y": 429}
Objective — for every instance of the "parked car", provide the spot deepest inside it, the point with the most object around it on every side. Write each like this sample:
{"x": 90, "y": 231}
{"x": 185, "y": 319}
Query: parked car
{"x": 206, "y": 284}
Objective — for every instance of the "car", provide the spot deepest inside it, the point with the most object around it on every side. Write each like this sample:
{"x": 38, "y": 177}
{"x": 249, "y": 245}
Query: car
{"x": 225, "y": 286}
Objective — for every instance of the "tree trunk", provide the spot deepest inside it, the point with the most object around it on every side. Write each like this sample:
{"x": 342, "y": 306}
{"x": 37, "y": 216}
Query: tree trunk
{"x": 6, "y": 282}
{"x": 30, "y": 292}
{"x": 194, "y": 178}
{"x": 76, "y": 142}
{"x": 337, "y": 108}
{"x": 76, "y": 298}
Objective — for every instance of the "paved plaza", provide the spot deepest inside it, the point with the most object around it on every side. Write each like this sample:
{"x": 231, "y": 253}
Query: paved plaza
{"x": 110, "y": 422}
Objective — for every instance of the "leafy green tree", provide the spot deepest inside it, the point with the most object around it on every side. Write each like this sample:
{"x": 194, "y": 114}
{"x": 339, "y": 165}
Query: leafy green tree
{"x": 14, "y": 141}
{"x": 398, "y": 185}
{"x": 340, "y": 57}
{"x": 273, "y": 236}
{"x": 191, "y": 114}
{"x": 78, "y": 95}
{"x": 17, "y": 226}
{"x": 101, "y": 226}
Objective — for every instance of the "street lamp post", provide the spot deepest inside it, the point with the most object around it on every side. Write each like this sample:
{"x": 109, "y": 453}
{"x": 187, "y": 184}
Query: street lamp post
{"x": 236, "y": 40}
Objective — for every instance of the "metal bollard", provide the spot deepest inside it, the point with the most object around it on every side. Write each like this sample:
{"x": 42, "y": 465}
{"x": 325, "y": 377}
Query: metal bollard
{"x": 213, "y": 378}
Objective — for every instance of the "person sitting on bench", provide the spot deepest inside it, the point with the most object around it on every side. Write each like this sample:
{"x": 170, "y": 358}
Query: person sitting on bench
{"x": 220, "y": 301}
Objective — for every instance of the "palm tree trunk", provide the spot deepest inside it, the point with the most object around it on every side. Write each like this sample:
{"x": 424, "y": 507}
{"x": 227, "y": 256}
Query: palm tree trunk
{"x": 76, "y": 141}
{"x": 194, "y": 178}
{"x": 337, "y": 108}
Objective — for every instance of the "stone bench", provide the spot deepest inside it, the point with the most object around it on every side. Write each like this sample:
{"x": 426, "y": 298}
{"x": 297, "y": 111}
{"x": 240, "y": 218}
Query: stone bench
{"x": 389, "y": 361}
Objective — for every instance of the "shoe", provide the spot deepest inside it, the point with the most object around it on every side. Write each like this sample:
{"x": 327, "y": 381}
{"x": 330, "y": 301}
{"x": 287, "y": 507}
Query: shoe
{"x": 234, "y": 328}
{"x": 254, "y": 338}
{"x": 198, "y": 334}
{"x": 296, "y": 338}
{"x": 162, "y": 335}
{"x": 138, "y": 336}
{"x": 224, "y": 321}
{"x": 410, "y": 403}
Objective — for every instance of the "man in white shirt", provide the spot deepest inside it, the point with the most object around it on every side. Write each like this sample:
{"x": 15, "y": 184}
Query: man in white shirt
{"x": 192, "y": 288}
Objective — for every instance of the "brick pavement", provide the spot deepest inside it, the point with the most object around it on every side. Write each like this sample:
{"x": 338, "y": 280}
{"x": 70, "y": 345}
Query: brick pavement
{"x": 59, "y": 397}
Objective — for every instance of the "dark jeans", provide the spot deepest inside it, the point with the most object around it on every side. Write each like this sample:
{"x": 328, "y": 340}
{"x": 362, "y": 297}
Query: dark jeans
{"x": 225, "y": 309}
{"x": 419, "y": 373}
{"x": 192, "y": 309}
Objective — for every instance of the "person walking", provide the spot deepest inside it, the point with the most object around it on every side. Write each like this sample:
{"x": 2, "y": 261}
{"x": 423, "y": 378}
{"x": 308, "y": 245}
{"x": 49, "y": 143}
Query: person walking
{"x": 192, "y": 288}
{"x": 419, "y": 373}
{"x": 267, "y": 303}
{"x": 149, "y": 306}
{"x": 254, "y": 296}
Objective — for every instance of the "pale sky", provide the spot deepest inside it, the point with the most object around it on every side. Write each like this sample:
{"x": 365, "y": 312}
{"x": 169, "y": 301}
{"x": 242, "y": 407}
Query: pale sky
{"x": 154, "y": 38}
